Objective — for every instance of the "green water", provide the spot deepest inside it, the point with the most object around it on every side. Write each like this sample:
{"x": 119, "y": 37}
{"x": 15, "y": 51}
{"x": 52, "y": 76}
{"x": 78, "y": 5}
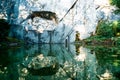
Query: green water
{"x": 57, "y": 62}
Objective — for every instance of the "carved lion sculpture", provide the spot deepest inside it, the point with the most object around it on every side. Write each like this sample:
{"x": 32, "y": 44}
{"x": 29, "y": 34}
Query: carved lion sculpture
{"x": 48, "y": 15}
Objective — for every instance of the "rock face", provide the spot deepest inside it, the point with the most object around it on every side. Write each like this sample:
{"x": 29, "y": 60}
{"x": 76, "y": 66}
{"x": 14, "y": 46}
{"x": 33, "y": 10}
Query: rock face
{"x": 82, "y": 18}
{"x": 78, "y": 19}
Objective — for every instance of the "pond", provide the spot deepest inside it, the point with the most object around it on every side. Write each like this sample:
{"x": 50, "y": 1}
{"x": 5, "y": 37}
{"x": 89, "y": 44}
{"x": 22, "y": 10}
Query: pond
{"x": 59, "y": 62}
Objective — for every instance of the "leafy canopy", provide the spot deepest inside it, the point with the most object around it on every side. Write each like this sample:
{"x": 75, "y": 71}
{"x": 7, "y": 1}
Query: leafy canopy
{"x": 116, "y": 3}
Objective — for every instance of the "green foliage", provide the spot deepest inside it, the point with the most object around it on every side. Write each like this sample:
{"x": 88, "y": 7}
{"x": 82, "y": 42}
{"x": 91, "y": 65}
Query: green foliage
{"x": 105, "y": 29}
{"x": 107, "y": 33}
{"x": 116, "y": 27}
{"x": 77, "y": 37}
{"x": 4, "y": 29}
{"x": 117, "y": 4}
{"x": 117, "y": 41}
{"x": 13, "y": 40}
{"x": 108, "y": 29}
{"x": 107, "y": 55}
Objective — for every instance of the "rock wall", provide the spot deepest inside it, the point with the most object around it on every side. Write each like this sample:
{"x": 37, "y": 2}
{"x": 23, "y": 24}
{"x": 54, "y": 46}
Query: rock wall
{"x": 82, "y": 19}
{"x": 44, "y": 31}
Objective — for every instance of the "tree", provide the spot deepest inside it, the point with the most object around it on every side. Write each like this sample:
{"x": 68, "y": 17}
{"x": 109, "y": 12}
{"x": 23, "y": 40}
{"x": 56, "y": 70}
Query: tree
{"x": 117, "y": 4}
{"x": 4, "y": 29}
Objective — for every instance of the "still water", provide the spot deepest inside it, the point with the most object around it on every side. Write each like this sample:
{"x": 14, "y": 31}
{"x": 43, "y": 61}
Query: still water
{"x": 59, "y": 62}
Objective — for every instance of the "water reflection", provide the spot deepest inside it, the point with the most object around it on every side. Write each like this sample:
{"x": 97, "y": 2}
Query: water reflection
{"x": 56, "y": 62}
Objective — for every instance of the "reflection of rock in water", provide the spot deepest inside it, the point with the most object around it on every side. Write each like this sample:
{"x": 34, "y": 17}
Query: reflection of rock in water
{"x": 106, "y": 76}
{"x": 51, "y": 70}
{"x": 43, "y": 66}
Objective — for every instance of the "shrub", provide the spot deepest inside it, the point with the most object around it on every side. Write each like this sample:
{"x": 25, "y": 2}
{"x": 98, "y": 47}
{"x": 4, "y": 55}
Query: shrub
{"x": 108, "y": 29}
{"x": 116, "y": 28}
{"x": 4, "y": 29}
{"x": 117, "y": 4}
{"x": 105, "y": 29}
